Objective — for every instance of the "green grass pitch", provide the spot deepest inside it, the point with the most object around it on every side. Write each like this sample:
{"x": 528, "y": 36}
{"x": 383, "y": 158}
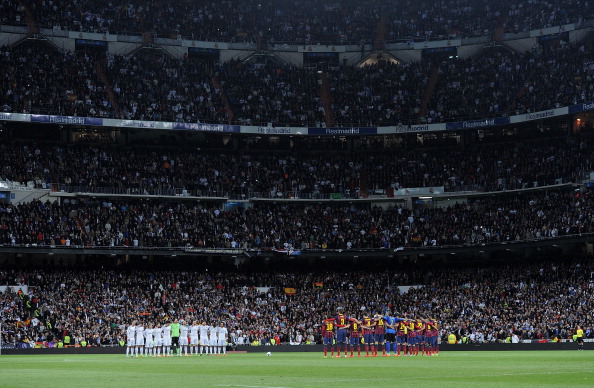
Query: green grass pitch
{"x": 303, "y": 370}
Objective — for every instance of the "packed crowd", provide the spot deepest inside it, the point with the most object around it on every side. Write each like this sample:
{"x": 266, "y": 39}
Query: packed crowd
{"x": 160, "y": 88}
{"x": 308, "y": 22}
{"x": 157, "y": 87}
{"x": 283, "y": 95}
{"x": 11, "y": 12}
{"x": 40, "y": 79}
{"x": 153, "y": 223}
{"x": 504, "y": 84}
{"x": 534, "y": 301}
{"x": 257, "y": 174}
{"x": 378, "y": 95}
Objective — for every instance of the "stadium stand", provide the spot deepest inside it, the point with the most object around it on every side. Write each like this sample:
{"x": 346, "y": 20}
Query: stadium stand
{"x": 166, "y": 171}
{"x": 308, "y": 22}
{"x": 112, "y": 193}
{"x": 485, "y": 305}
{"x": 157, "y": 87}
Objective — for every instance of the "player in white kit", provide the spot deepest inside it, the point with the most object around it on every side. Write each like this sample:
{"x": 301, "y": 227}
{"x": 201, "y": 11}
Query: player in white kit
{"x": 139, "y": 339}
{"x": 131, "y": 339}
{"x": 204, "y": 341}
{"x": 158, "y": 335}
{"x": 212, "y": 338}
{"x": 194, "y": 329}
{"x": 148, "y": 340}
{"x": 222, "y": 339}
{"x": 167, "y": 340}
{"x": 183, "y": 338}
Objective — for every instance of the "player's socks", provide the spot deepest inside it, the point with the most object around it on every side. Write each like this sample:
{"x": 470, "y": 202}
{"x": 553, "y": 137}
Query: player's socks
{"x": 358, "y": 351}
{"x": 367, "y": 350}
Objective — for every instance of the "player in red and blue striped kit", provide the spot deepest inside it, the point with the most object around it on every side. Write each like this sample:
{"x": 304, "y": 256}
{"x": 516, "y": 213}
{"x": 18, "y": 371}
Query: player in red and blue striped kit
{"x": 402, "y": 336}
{"x": 355, "y": 337}
{"x": 328, "y": 335}
{"x": 342, "y": 323}
{"x": 380, "y": 334}
{"x": 368, "y": 325}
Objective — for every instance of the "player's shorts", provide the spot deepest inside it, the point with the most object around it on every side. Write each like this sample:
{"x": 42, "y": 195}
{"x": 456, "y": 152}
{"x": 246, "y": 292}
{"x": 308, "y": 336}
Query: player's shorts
{"x": 139, "y": 341}
{"x": 148, "y": 344}
{"x": 380, "y": 338}
{"x": 194, "y": 340}
{"x": 183, "y": 340}
{"x": 412, "y": 340}
{"x": 580, "y": 340}
{"x": 401, "y": 339}
{"x": 355, "y": 341}
{"x": 341, "y": 337}
{"x": 368, "y": 338}
{"x": 420, "y": 339}
{"x": 221, "y": 342}
{"x": 166, "y": 341}
{"x": 131, "y": 342}
{"x": 328, "y": 340}
{"x": 433, "y": 340}
{"x": 390, "y": 337}
{"x": 174, "y": 341}
{"x": 158, "y": 343}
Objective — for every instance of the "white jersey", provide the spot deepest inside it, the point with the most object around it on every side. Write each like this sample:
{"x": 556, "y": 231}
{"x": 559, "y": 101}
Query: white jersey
{"x": 148, "y": 335}
{"x": 222, "y": 334}
{"x": 167, "y": 335}
{"x": 212, "y": 334}
{"x": 194, "y": 334}
{"x": 131, "y": 335}
{"x": 158, "y": 335}
{"x": 166, "y": 332}
{"x": 204, "y": 334}
{"x": 139, "y": 335}
{"x": 183, "y": 335}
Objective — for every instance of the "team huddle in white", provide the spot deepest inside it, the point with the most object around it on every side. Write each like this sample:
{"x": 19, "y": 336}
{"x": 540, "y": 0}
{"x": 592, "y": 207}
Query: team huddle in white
{"x": 158, "y": 340}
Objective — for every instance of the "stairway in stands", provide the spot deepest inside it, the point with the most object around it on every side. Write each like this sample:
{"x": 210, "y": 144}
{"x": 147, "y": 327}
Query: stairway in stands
{"x": 32, "y": 25}
{"x": 100, "y": 69}
{"x": 429, "y": 91}
{"x": 380, "y": 37}
{"x": 326, "y": 98}
{"x": 217, "y": 84}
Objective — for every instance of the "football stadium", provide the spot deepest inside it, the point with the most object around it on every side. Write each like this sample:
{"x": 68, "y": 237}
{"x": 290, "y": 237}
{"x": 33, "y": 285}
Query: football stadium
{"x": 279, "y": 194}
